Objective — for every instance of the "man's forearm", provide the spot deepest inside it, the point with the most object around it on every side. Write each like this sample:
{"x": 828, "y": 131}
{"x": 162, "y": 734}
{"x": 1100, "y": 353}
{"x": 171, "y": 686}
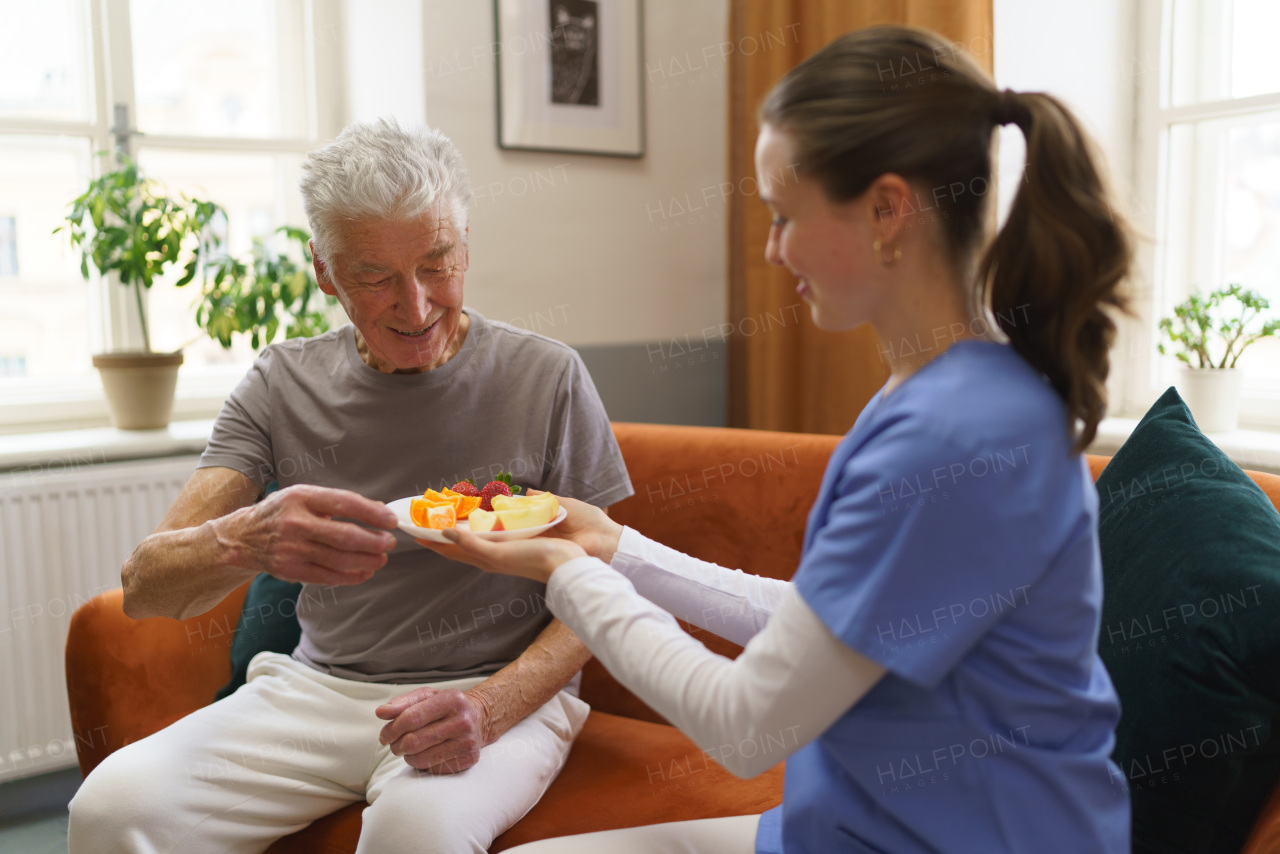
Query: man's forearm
{"x": 515, "y": 691}
{"x": 186, "y": 567}
{"x": 179, "y": 574}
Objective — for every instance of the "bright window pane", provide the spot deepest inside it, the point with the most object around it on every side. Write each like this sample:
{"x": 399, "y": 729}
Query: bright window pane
{"x": 1251, "y": 221}
{"x": 234, "y": 68}
{"x": 44, "y": 60}
{"x": 44, "y": 303}
{"x": 1223, "y": 225}
{"x": 1253, "y": 47}
{"x": 1223, "y": 50}
{"x": 259, "y": 193}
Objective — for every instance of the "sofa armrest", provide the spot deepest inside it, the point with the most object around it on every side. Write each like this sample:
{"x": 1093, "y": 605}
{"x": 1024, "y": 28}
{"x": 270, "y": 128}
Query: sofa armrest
{"x": 1265, "y": 838}
{"x": 129, "y": 678}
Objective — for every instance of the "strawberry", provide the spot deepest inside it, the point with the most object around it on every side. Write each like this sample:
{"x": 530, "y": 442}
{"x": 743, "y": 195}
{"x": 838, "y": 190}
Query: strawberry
{"x": 501, "y": 486}
{"x": 466, "y": 487}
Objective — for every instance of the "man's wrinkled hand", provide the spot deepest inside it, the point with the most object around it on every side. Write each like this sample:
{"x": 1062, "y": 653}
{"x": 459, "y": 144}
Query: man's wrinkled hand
{"x": 292, "y": 534}
{"x": 437, "y": 731}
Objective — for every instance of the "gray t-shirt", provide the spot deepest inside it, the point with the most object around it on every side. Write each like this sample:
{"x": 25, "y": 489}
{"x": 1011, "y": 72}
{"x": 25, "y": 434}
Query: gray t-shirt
{"x": 311, "y": 411}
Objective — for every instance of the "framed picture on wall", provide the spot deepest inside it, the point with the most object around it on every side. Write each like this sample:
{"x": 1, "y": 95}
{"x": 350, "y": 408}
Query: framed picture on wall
{"x": 569, "y": 76}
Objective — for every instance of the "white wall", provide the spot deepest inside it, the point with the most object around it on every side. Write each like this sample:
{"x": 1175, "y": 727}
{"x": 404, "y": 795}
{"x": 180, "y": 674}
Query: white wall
{"x": 383, "y": 44}
{"x": 1082, "y": 52}
{"x": 590, "y": 250}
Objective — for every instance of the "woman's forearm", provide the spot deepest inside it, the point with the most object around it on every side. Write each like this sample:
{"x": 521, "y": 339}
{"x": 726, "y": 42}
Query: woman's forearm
{"x": 791, "y": 683}
{"x": 728, "y": 602}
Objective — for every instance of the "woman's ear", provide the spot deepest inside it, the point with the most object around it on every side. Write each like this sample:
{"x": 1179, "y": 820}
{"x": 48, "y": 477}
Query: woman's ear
{"x": 889, "y": 206}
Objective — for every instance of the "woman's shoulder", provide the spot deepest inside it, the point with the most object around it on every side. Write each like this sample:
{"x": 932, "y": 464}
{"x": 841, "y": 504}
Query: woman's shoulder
{"x": 982, "y": 416}
{"x": 976, "y": 395}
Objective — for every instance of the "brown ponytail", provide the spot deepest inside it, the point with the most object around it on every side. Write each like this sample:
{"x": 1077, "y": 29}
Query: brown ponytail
{"x": 904, "y": 100}
{"x": 1063, "y": 256}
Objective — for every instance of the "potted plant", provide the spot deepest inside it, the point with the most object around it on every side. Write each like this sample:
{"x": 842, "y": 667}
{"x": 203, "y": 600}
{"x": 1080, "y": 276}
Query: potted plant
{"x": 129, "y": 225}
{"x": 258, "y": 297}
{"x": 1213, "y": 331}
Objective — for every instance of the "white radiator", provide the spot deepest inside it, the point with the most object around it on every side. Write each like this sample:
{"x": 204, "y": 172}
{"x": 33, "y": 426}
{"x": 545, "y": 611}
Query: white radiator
{"x": 65, "y": 530}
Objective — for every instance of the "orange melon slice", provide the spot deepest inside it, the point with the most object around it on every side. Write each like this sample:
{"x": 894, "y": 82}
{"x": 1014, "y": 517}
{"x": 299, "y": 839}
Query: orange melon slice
{"x": 440, "y": 499}
{"x": 441, "y": 517}
{"x": 466, "y": 503}
{"x": 425, "y": 514}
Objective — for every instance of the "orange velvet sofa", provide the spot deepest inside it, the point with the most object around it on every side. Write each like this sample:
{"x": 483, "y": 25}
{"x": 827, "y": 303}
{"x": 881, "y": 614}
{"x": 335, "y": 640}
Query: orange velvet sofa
{"x": 736, "y": 497}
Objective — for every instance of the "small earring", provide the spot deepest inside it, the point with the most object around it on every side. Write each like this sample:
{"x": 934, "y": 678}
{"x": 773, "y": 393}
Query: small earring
{"x": 897, "y": 254}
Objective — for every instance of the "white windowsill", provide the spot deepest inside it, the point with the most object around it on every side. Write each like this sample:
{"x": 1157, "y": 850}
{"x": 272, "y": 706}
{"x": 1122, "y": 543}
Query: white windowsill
{"x": 58, "y": 450}
{"x": 1251, "y": 449}
{"x": 1258, "y": 450}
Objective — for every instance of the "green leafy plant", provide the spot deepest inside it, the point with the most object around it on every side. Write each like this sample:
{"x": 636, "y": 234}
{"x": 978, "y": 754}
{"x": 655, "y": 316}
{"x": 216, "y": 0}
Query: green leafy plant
{"x": 1227, "y": 320}
{"x": 260, "y": 295}
{"x": 127, "y": 224}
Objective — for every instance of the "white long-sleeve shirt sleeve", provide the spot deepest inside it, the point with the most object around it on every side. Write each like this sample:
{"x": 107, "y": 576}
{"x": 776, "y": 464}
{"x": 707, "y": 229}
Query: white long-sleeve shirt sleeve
{"x": 728, "y": 602}
{"x": 793, "y": 680}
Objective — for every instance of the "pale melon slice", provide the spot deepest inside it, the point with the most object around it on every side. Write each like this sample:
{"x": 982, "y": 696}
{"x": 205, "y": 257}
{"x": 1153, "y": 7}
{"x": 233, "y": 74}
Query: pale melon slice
{"x": 525, "y": 511}
{"x": 484, "y": 520}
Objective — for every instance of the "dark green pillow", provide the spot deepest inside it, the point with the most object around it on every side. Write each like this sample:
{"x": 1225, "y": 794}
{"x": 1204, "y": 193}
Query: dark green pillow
{"x": 268, "y": 623}
{"x": 1190, "y": 634}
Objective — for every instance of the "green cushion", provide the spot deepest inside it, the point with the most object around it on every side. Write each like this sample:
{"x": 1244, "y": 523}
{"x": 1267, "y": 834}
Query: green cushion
{"x": 268, "y": 623}
{"x": 1190, "y": 634}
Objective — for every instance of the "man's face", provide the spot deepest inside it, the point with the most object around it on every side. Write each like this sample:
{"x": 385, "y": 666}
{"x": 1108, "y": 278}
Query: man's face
{"x": 401, "y": 284}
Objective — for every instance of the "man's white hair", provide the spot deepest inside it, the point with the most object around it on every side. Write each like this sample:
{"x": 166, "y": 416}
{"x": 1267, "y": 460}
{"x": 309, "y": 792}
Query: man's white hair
{"x": 378, "y": 170}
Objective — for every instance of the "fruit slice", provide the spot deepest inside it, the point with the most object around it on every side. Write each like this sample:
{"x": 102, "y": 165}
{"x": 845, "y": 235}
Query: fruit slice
{"x": 426, "y": 514}
{"x": 466, "y": 504}
{"x": 462, "y": 504}
{"x": 418, "y": 512}
{"x": 441, "y": 517}
{"x": 525, "y": 511}
{"x": 484, "y": 520}
{"x": 513, "y": 502}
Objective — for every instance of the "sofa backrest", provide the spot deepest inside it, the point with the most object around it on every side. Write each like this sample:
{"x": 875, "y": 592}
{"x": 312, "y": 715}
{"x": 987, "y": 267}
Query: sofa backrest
{"x": 739, "y": 498}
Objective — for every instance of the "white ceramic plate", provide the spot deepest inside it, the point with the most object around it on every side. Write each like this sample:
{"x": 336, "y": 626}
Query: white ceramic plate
{"x": 401, "y": 508}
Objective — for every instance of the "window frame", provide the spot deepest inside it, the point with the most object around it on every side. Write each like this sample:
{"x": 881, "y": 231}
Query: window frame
{"x": 1141, "y": 382}
{"x": 28, "y": 405}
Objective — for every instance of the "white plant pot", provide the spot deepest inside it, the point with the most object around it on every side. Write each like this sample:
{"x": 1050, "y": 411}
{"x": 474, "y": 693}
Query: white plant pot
{"x": 1213, "y": 394}
{"x": 139, "y": 387}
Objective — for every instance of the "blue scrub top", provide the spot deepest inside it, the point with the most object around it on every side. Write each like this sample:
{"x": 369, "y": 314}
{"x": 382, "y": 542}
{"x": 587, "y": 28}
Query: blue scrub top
{"x": 954, "y": 541}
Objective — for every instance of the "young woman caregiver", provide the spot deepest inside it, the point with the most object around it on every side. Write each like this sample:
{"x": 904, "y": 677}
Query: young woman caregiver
{"x": 931, "y": 674}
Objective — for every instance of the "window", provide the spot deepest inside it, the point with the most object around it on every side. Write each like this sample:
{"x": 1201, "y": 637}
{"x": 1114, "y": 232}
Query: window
{"x": 1209, "y": 176}
{"x": 217, "y": 100}
{"x": 8, "y": 246}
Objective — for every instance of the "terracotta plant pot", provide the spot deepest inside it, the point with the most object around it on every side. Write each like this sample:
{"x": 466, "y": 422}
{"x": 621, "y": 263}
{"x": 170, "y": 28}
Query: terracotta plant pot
{"x": 139, "y": 387}
{"x": 1213, "y": 394}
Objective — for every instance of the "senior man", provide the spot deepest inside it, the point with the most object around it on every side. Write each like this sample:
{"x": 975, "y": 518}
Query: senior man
{"x": 442, "y": 696}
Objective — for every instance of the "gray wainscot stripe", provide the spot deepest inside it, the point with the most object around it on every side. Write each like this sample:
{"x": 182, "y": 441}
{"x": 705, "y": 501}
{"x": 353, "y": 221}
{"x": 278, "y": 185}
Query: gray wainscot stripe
{"x": 30, "y": 797}
{"x": 674, "y": 381}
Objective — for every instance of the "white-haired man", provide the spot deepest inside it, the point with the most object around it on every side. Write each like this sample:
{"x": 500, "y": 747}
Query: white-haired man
{"x": 443, "y": 696}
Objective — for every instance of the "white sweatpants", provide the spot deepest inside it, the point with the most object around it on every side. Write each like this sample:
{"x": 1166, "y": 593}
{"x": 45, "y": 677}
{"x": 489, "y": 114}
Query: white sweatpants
{"x": 294, "y": 744}
{"x": 732, "y": 835}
